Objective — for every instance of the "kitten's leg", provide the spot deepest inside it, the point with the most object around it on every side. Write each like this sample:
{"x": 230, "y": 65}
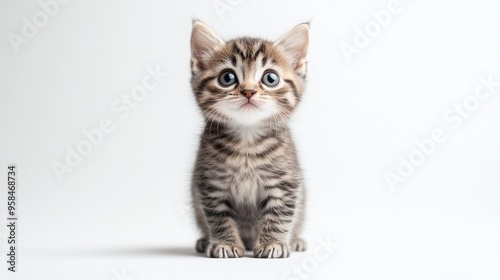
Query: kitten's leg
{"x": 224, "y": 240}
{"x": 202, "y": 243}
{"x": 299, "y": 244}
{"x": 277, "y": 215}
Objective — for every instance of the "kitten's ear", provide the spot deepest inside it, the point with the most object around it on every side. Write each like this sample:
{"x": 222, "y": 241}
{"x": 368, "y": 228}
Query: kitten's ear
{"x": 203, "y": 42}
{"x": 295, "y": 44}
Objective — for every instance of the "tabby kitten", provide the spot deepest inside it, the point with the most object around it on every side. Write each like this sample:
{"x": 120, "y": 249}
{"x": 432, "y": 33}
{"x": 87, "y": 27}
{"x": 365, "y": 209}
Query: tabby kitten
{"x": 247, "y": 186}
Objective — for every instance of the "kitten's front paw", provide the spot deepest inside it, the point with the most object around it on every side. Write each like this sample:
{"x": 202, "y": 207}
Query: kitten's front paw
{"x": 271, "y": 250}
{"x": 225, "y": 250}
{"x": 201, "y": 245}
{"x": 298, "y": 244}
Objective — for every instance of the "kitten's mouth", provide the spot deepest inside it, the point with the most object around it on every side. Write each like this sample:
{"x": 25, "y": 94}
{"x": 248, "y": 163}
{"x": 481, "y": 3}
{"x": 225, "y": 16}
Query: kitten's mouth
{"x": 248, "y": 104}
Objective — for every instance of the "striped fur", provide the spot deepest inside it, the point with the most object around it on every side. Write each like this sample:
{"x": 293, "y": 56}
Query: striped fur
{"x": 247, "y": 185}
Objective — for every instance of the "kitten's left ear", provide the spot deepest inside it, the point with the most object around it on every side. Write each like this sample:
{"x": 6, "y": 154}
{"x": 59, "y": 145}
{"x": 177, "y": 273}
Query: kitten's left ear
{"x": 203, "y": 42}
{"x": 295, "y": 44}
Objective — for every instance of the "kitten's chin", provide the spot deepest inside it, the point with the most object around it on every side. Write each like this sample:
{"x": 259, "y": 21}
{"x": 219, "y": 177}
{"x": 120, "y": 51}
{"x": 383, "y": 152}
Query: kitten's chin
{"x": 252, "y": 115}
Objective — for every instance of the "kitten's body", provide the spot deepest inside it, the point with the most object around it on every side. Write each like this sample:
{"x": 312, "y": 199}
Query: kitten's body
{"x": 247, "y": 185}
{"x": 248, "y": 172}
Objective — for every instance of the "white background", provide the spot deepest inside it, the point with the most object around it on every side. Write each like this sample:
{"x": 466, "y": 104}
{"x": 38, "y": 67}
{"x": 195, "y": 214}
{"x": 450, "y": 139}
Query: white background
{"x": 123, "y": 213}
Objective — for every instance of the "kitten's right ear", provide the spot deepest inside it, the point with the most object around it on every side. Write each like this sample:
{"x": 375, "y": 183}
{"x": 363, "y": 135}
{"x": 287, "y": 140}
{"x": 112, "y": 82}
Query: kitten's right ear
{"x": 203, "y": 42}
{"x": 295, "y": 44}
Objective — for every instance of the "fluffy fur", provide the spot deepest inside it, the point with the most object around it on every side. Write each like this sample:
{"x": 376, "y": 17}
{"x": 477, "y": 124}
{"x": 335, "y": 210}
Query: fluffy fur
{"x": 247, "y": 185}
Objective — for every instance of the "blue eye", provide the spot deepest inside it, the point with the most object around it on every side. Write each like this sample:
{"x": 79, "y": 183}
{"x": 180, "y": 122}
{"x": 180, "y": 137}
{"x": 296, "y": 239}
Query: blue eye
{"x": 227, "y": 78}
{"x": 270, "y": 79}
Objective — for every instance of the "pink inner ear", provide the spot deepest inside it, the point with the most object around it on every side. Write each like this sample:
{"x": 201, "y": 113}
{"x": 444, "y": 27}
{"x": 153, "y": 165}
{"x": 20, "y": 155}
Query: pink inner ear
{"x": 297, "y": 56}
{"x": 295, "y": 44}
{"x": 197, "y": 52}
{"x": 203, "y": 41}
{"x": 198, "y": 60}
{"x": 299, "y": 61}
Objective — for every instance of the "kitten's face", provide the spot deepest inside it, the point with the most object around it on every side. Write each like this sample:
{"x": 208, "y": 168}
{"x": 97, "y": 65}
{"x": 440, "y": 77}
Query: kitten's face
{"x": 248, "y": 81}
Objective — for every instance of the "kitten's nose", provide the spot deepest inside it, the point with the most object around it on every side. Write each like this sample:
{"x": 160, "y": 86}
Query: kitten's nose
{"x": 248, "y": 92}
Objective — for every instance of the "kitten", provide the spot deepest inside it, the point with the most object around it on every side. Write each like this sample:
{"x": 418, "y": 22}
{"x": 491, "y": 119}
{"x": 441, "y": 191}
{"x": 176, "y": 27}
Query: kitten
{"x": 247, "y": 185}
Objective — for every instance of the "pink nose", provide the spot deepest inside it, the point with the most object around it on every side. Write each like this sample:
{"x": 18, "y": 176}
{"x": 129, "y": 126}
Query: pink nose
{"x": 248, "y": 92}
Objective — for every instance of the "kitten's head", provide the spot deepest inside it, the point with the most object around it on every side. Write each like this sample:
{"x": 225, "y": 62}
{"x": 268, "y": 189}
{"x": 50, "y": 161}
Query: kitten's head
{"x": 248, "y": 81}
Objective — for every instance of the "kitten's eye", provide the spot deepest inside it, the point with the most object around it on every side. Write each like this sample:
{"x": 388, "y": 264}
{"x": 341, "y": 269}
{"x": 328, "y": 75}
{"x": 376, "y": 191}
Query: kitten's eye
{"x": 271, "y": 79}
{"x": 227, "y": 78}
